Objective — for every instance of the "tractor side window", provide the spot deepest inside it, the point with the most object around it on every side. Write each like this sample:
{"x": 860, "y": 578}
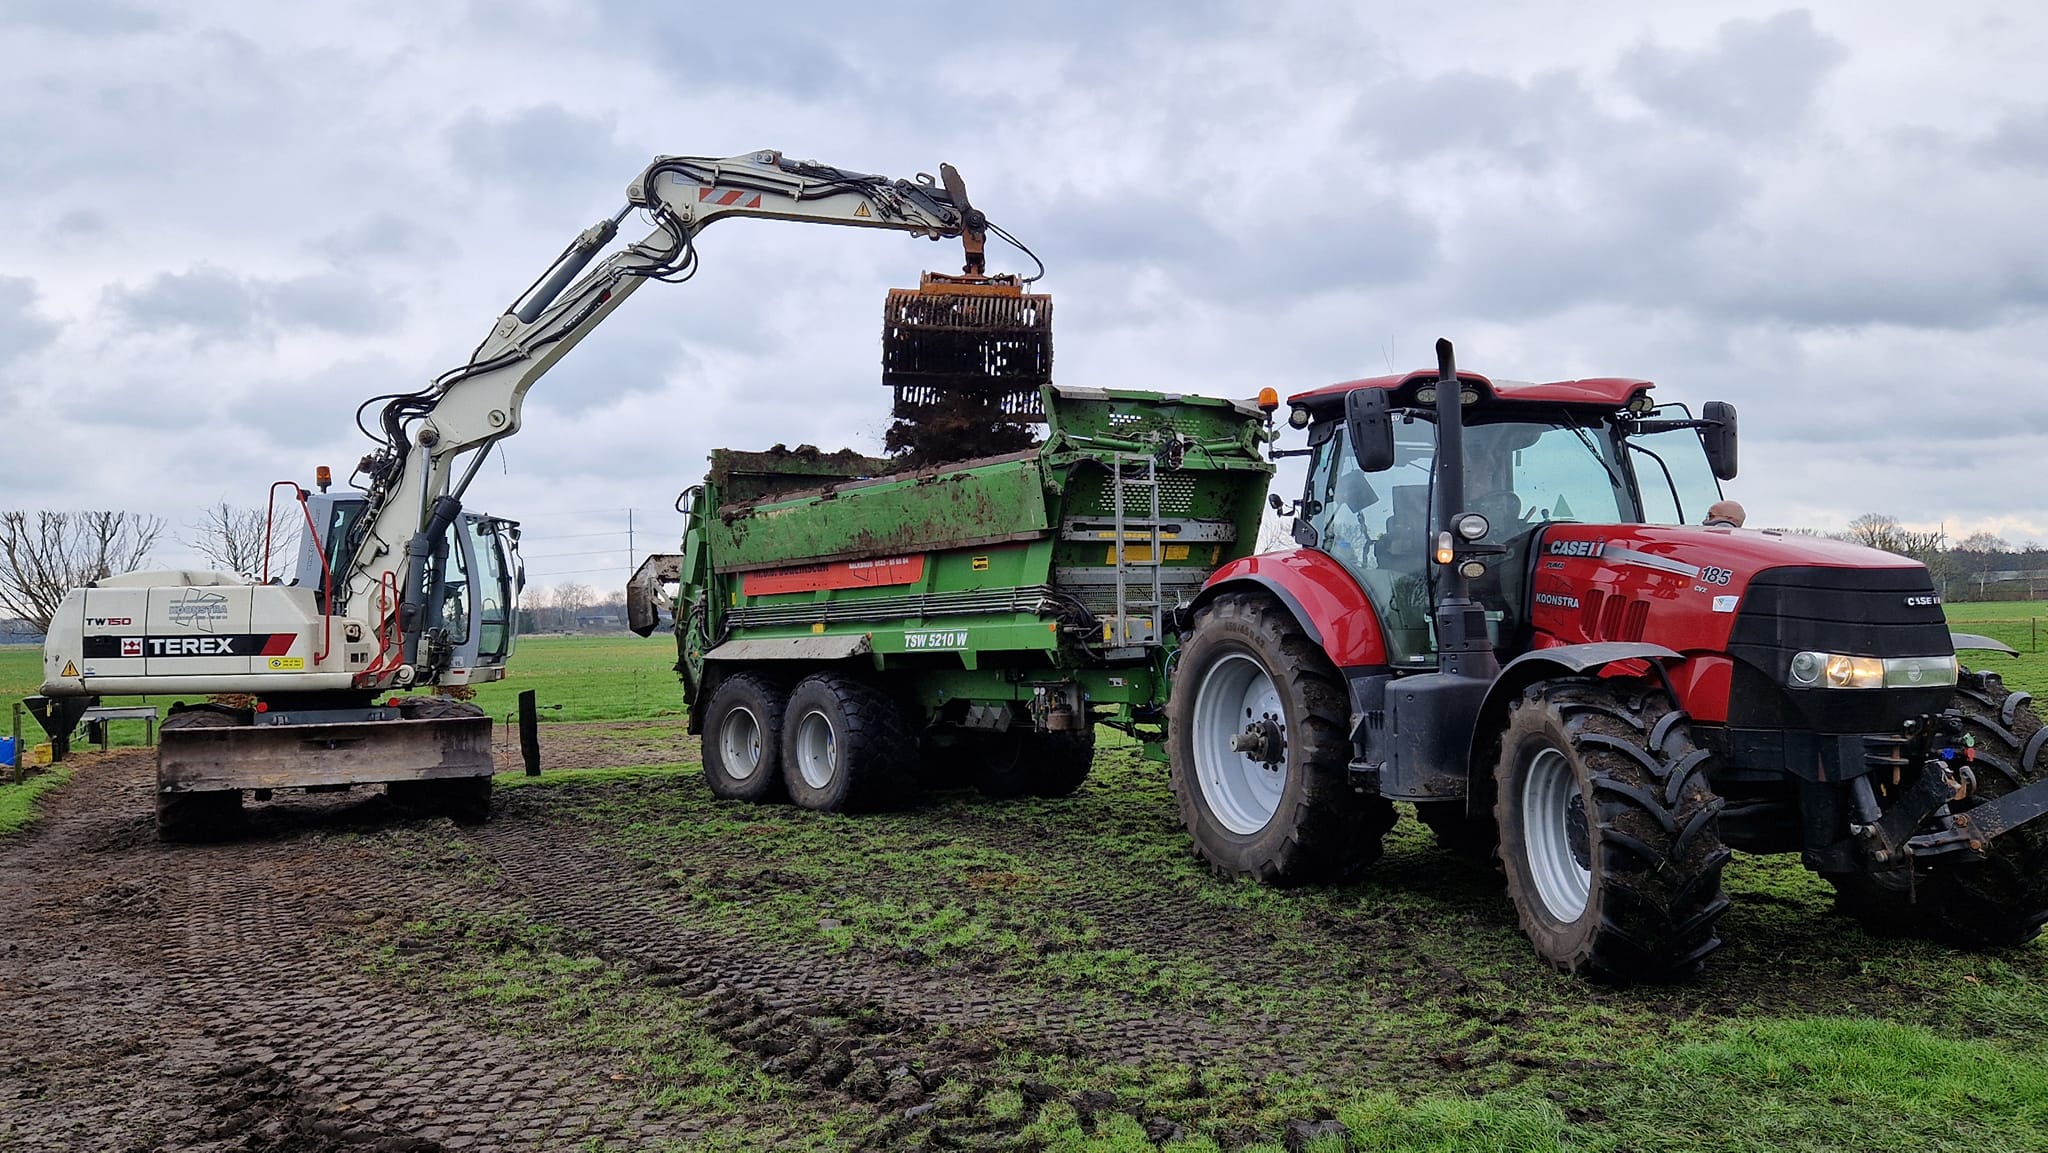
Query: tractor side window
{"x": 1377, "y": 526}
{"x": 1672, "y": 472}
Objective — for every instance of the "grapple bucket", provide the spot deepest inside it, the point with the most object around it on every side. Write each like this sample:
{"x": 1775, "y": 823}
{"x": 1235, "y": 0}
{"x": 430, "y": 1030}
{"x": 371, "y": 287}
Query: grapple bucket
{"x": 959, "y": 337}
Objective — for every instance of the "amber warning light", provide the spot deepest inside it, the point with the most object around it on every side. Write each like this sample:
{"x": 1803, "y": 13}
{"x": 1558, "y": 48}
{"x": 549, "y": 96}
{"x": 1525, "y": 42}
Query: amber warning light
{"x": 1269, "y": 400}
{"x": 323, "y": 477}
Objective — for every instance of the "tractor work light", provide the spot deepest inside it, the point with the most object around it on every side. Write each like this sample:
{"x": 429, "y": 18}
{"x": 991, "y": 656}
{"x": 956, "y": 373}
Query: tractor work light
{"x": 1841, "y": 671}
{"x": 1299, "y": 416}
{"x": 1445, "y": 554}
{"x": 1471, "y": 525}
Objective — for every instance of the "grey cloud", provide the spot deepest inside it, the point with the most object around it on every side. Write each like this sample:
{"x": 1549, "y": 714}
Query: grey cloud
{"x": 545, "y": 146}
{"x": 385, "y": 236}
{"x": 216, "y": 304}
{"x": 22, "y": 331}
{"x": 1757, "y": 77}
{"x": 1417, "y": 117}
{"x": 81, "y": 17}
{"x": 2020, "y": 140}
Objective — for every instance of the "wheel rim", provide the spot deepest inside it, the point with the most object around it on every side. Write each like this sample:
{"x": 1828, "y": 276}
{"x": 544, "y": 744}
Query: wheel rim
{"x": 739, "y": 744}
{"x": 1242, "y": 793}
{"x": 817, "y": 751}
{"x": 1554, "y": 835}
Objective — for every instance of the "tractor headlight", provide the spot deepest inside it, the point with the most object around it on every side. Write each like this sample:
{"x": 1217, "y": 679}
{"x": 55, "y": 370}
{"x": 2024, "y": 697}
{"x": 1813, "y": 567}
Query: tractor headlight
{"x": 1299, "y": 416}
{"x": 1471, "y": 525}
{"x": 1841, "y": 671}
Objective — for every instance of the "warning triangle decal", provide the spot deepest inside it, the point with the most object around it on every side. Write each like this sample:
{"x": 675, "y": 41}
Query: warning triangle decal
{"x": 861, "y": 210}
{"x": 70, "y": 670}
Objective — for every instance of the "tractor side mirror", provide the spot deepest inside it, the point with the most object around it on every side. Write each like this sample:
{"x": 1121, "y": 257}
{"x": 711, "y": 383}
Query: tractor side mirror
{"x": 1370, "y": 423}
{"x": 1719, "y": 437}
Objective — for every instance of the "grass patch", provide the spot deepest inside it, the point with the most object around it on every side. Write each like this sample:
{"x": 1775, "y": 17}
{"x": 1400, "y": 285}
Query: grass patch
{"x": 590, "y": 678}
{"x": 18, "y": 802}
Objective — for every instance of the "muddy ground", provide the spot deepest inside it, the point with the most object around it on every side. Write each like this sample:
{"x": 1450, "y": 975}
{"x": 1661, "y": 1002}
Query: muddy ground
{"x": 624, "y": 962}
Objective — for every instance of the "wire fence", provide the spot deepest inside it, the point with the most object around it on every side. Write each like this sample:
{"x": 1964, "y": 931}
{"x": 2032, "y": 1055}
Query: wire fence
{"x": 2022, "y": 633}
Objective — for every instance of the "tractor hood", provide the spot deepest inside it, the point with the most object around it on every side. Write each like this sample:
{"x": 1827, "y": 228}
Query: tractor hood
{"x": 1597, "y": 582}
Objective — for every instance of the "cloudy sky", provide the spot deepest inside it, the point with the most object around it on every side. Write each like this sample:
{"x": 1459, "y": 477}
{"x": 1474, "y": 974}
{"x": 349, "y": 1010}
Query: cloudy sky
{"x": 228, "y": 224}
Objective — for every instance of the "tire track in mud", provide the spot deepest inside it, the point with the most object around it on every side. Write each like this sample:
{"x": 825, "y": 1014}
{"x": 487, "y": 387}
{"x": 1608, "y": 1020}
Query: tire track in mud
{"x": 201, "y": 997}
{"x": 598, "y": 893}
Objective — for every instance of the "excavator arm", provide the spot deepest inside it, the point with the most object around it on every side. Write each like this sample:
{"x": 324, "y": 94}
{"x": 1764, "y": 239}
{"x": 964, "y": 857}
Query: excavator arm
{"x": 414, "y": 486}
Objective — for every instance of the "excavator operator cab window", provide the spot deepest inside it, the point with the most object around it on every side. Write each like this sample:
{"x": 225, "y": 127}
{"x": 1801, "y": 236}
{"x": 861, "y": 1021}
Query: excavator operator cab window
{"x": 493, "y": 576}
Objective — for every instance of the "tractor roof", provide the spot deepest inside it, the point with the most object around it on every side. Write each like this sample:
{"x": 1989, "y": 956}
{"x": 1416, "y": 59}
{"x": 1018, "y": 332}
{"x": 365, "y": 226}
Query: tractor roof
{"x": 1607, "y": 392}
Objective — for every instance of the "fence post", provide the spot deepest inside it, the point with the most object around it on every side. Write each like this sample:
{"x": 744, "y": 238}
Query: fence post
{"x": 20, "y": 754}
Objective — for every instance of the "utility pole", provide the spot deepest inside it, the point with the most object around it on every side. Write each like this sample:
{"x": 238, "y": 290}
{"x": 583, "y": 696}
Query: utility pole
{"x": 629, "y": 541}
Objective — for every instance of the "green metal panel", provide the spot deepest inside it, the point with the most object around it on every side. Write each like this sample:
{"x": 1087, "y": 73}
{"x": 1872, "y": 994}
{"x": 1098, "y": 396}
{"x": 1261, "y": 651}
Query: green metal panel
{"x": 890, "y": 516}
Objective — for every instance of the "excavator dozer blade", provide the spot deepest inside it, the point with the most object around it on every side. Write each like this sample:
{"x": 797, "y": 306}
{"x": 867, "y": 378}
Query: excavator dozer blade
{"x": 978, "y": 339}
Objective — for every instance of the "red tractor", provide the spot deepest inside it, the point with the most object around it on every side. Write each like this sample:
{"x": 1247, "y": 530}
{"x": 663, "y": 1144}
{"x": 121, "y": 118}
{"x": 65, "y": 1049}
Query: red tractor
{"x": 1505, "y": 611}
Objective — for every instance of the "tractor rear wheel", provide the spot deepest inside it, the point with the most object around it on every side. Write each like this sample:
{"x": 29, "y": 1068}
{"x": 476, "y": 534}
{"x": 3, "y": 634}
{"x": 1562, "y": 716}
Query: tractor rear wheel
{"x": 1996, "y": 902}
{"x": 1607, "y": 833}
{"x": 743, "y": 739}
{"x": 844, "y": 746}
{"x": 1034, "y": 764}
{"x": 1256, "y": 740}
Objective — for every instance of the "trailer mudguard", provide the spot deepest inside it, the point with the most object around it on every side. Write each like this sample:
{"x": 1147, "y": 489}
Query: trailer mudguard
{"x": 1541, "y": 664}
{"x": 1326, "y": 601}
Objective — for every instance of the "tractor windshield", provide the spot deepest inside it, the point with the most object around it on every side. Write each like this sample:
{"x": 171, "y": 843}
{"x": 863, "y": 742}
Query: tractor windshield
{"x": 1672, "y": 471}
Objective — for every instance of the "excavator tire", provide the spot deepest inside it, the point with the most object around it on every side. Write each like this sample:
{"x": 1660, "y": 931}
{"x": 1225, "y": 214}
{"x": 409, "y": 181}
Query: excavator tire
{"x": 464, "y": 800}
{"x": 1607, "y": 834}
{"x": 1293, "y": 820}
{"x": 192, "y": 818}
{"x": 845, "y": 747}
{"x": 1994, "y": 903}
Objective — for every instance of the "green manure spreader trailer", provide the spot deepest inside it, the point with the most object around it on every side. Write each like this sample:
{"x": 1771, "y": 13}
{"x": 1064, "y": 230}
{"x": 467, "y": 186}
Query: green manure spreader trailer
{"x": 848, "y": 630}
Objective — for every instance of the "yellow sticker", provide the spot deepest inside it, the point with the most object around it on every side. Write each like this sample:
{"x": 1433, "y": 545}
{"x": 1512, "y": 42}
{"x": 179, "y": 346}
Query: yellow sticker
{"x": 979, "y": 564}
{"x": 70, "y": 670}
{"x": 861, "y": 211}
{"x": 287, "y": 664}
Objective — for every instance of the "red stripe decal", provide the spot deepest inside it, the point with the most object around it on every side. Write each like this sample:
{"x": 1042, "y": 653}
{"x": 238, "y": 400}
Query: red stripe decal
{"x": 279, "y": 644}
{"x": 732, "y": 197}
{"x": 895, "y": 570}
{"x": 754, "y": 203}
{"x": 703, "y": 194}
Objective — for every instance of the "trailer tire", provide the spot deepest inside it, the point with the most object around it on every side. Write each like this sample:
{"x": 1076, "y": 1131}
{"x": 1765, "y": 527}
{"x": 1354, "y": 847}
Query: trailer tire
{"x": 1994, "y": 903}
{"x": 1034, "y": 764}
{"x": 1296, "y": 823}
{"x": 1607, "y": 831}
{"x": 742, "y": 739}
{"x": 844, "y": 746}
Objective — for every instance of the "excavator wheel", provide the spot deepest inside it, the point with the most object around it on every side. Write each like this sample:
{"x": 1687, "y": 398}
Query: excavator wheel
{"x": 1282, "y": 812}
{"x": 464, "y": 800}
{"x": 1607, "y": 833}
{"x": 194, "y": 817}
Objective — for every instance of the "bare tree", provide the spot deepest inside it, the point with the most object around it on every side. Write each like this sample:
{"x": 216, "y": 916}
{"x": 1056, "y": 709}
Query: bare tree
{"x": 1983, "y": 541}
{"x": 47, "y": 554}
{"x": 240, "y": 540}
{"x": 570, "y": 599}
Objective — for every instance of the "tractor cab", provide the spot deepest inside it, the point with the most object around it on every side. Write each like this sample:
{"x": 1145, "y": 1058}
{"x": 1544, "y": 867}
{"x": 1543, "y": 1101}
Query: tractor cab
{"x": 473, "y": 583}
{"x": 1586, "y": 452}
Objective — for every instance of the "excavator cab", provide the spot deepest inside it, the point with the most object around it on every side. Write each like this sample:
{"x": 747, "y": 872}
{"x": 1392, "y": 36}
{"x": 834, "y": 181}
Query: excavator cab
{"x": 473, "y": 585}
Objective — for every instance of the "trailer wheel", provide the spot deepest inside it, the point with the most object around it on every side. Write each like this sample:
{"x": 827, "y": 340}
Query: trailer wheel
{"x": 1034, "y": 764}
{"x": 1607, "y": 833}
{"x": 1997, "y": 902}
{"x": 844, "y": 746}
{"x": 743, "y": 739}
{"x": 1284, "y": 812}
{"x": 198, "y": 816}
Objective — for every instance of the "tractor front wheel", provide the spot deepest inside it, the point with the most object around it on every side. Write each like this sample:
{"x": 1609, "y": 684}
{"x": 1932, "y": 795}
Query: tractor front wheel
{"x": 1256, "y": 739}
{"x": 1607, "y": 833}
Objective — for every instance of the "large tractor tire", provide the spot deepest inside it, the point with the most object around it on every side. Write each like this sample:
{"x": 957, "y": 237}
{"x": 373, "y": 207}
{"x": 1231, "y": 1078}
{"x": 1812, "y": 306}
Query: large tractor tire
{"x": 743, "y": 739}
{"x": 204, "y": 816}
{"x": 844, "y": 746}
{"x": 1607, "y": 832}
{"x": 2001, "y": 900}
{"x": 1034, "y": 764}
{"x": 1283, "y": 812}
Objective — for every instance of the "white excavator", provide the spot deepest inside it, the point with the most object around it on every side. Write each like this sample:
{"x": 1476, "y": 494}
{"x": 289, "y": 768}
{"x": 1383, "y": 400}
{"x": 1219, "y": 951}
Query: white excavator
{"x": 397, "y": 589}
